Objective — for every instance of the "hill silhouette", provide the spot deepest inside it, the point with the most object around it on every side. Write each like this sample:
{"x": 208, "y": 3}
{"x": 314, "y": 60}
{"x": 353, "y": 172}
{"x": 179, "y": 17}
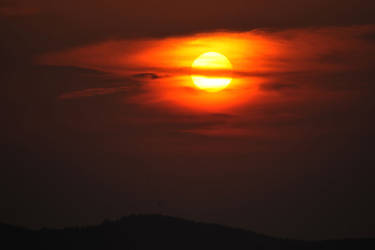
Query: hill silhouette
{"x": 159, "y": 232}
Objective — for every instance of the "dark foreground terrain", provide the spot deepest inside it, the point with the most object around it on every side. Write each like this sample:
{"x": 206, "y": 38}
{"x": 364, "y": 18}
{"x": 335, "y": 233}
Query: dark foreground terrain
{"x": 159, "y": 232}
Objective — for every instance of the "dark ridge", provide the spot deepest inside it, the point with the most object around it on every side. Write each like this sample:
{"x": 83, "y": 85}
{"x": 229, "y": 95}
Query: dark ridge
{"x": 160, "y": 232}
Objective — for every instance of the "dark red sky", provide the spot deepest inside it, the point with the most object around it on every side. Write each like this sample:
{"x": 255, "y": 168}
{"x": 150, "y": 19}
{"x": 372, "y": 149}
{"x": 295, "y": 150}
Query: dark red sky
{"x": 81, "y": 143}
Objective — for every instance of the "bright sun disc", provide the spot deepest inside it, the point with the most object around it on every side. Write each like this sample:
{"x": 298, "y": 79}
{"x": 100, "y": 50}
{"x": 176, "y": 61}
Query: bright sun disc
{"x": 210, "y": 66}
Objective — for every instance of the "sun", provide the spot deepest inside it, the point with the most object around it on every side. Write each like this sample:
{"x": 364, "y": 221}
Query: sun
{"x": 210, "y": 72}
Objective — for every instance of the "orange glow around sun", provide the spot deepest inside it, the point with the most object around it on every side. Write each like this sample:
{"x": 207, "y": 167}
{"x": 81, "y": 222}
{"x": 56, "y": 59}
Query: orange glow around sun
{"x": 199, "y": 76}
{"x": 191, "y": 73}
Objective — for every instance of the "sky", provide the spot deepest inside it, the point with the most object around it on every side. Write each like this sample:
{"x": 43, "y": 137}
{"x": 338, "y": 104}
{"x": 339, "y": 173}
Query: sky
{"x": 100, "y": 117}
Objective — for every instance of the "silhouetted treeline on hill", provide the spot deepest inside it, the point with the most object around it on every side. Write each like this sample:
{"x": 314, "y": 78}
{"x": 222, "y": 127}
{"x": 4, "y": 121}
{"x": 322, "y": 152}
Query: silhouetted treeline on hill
{"x": 159, "y": 232}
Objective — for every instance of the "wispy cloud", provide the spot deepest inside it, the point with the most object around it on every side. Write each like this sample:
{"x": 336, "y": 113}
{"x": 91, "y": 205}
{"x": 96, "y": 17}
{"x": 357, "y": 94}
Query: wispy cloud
{"x": 92, "y": 92}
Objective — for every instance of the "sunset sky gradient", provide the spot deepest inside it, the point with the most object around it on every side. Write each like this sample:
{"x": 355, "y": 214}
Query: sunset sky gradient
{"x": 101, "y": 117}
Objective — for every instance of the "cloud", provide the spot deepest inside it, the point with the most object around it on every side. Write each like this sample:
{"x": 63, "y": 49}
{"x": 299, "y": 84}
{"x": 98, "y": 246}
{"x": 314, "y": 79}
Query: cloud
{"x": 254, "y": 53}
{"x": 220, "y": 132}
{"x": 147, "y": 76}
{"x": 278, "y": 86}
{"x": 92, "y": 92}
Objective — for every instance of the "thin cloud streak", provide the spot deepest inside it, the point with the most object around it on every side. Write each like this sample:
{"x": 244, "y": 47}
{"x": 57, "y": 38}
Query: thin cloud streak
{"x": 92, "y": 92}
